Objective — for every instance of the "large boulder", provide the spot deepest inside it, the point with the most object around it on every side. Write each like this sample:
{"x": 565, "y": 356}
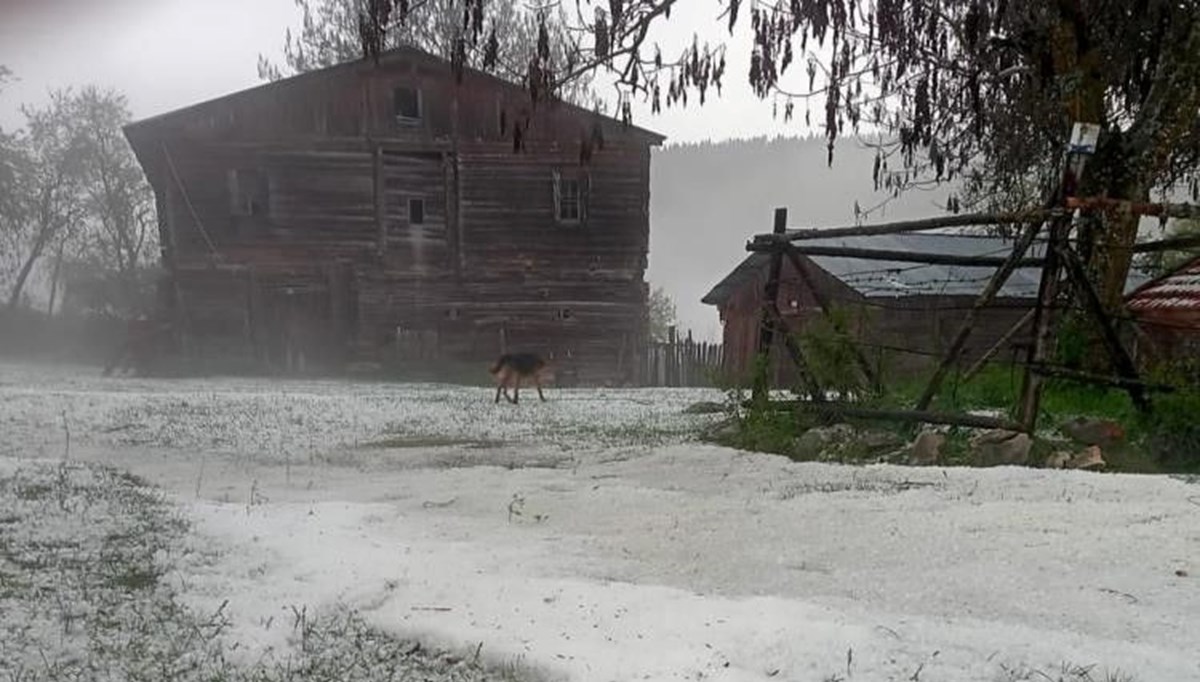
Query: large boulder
{"x": 1000, "y": 448}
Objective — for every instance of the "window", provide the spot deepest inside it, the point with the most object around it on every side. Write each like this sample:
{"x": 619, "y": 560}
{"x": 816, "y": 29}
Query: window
{"x": 570, "y": 205}
{"x": 248, "y": 192}
{"x": 416, "y": 211}
{"x": 406, "y": 104}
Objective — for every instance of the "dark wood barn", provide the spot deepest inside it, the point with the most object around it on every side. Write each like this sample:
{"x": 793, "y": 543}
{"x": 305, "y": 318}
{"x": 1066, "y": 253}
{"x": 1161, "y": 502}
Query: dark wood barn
{"x": 389, "y": 214}
{"x": 1167, "y": 312}
{"x": 903, "y": 315}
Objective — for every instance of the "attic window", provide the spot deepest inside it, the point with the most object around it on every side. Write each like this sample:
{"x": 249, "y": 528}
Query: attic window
{"x": 416, "y": 211}
{"x": 406, "y": 104}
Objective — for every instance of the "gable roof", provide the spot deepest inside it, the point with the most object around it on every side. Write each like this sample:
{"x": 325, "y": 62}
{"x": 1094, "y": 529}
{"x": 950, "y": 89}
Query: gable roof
{"x": 1176, "y": 290}
{"x": 387, "y": 57}
{"x": 893, "y": 279}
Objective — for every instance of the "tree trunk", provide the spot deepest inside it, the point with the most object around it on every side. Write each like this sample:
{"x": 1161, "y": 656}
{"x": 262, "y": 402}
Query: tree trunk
{"x": 15, "y": 296}
{"x": 54, "y": 279}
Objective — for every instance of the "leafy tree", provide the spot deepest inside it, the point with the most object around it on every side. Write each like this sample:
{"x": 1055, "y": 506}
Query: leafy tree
{"x": 73, "y": 191}
{"x": 46, "y": 202}
{"x": 330, "y": 34}
{"x": 119, "y": 204}
{"x": 982, "y": 91}
{"x": 662, "y": 313}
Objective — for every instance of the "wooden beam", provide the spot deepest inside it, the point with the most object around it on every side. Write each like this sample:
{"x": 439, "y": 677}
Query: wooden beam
{"x": 1185, "y": 211}
{"x": 823, "y": 301}
{"x": 1005, "y": 338}
{"x": 1099, "y": 379}
{"x": 985, "y": 297}
{"x": 797, "y": 355}
{"x": 1172, "y": 244}
{"x": 1112, "y": 341}
{"x": 900, "y": 227}
{"x": 838, "y": 409}
{"x": 771, "y": 245}
{"x": 766, "y": 336}
{"x": 1031, "y": 389}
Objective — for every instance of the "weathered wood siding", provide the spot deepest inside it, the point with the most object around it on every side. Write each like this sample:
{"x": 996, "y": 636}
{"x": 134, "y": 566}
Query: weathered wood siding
{"x": 299, "y": 192}
{"x": 899, "y": 334}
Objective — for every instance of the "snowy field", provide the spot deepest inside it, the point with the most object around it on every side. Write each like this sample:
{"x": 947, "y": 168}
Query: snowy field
{"x": 590, "y": 538}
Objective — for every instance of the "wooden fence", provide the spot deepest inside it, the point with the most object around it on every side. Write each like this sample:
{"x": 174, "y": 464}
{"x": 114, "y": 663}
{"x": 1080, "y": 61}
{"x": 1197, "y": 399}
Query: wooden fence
{"x": 681, "y": 362}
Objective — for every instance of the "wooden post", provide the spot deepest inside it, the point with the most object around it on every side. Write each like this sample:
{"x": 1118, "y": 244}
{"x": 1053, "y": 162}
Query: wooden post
{"x": 766, "y": 336}
{"x": 1112, "y": 341}
{"x": 985, "y": 297}
{"x": 1031, "y": 389}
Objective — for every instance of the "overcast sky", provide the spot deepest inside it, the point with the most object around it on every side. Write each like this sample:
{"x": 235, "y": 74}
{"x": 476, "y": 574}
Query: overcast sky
{"x": 165, "y": 54}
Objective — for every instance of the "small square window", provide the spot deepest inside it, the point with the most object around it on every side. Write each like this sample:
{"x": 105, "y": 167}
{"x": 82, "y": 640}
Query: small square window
{"x": 416, "y": 211}
{"x": 406, "y": 104}
{"x": 568, "y": 199}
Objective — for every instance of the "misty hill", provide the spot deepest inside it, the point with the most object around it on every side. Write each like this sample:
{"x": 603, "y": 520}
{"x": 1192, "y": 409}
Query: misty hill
{"x": 708, "y": 199}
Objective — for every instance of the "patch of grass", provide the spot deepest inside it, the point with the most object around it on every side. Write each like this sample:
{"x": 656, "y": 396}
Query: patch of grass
{"x": 84, "y": 594}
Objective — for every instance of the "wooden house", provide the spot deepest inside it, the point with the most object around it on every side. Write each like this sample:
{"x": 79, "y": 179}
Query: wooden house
{"x": 903, "y": 315}
{"x": 395, "y": 213}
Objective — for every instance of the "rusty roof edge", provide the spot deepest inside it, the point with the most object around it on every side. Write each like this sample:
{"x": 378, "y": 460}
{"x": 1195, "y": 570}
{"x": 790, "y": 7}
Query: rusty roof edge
{"x": 1148, "y": 284}
{"x": 385, "y": 57}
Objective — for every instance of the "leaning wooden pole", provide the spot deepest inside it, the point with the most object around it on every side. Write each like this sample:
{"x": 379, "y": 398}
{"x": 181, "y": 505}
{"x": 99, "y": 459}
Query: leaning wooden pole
{"x": 924, "y": 224}
{"x": 1000, "y": 343}
{"x": 766, "y": 337}
{"x": 826, "y": 307}
{"x": 1112, "y": 341}
{"x": 989, "y": 292}
{"x": 1031, "y": 390}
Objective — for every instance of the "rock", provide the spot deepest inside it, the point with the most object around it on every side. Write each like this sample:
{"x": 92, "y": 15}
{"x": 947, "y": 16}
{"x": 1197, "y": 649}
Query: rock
{"x": 704, "y": 407}
{"x": 927, "y": 448}
{"x": 1057, "y": 460}
{"x": 879, "y": 441}
{"x": 1090, "y": 459}
{"x": 825, "y": 443}
{"x": 1101, "y": 432}
{"x": 1000, "y": 448}
{"x": 724, "y": 431}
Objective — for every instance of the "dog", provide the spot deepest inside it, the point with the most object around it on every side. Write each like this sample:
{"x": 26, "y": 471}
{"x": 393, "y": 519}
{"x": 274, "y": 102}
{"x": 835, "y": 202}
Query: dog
{"x": 512, "y": 368}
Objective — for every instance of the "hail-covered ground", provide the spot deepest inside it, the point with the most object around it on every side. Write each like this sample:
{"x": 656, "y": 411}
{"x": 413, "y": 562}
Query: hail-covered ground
{"x": 589, "y": 537}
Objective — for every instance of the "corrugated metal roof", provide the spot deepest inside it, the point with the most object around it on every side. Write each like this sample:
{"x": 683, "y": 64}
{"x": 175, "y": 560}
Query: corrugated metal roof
{"x": 1177, "y": 290}
{"x": 892, "y": 279}
{"x": 876, "y": 278}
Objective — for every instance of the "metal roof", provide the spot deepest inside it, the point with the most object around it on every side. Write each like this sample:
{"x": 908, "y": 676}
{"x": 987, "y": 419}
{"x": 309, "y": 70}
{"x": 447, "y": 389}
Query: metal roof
{"x": 891, "y": 279}
{"x": 1176, "y": 290}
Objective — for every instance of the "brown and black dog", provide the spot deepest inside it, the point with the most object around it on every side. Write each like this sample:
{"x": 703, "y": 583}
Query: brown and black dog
{"x": 512, "y": 368}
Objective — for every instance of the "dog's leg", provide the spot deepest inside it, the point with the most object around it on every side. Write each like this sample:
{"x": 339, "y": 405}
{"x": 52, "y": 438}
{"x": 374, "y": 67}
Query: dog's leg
{"x": 537, "y": 380}
{"x": 516, "y": 389}
{"x": 499, "y": 388}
